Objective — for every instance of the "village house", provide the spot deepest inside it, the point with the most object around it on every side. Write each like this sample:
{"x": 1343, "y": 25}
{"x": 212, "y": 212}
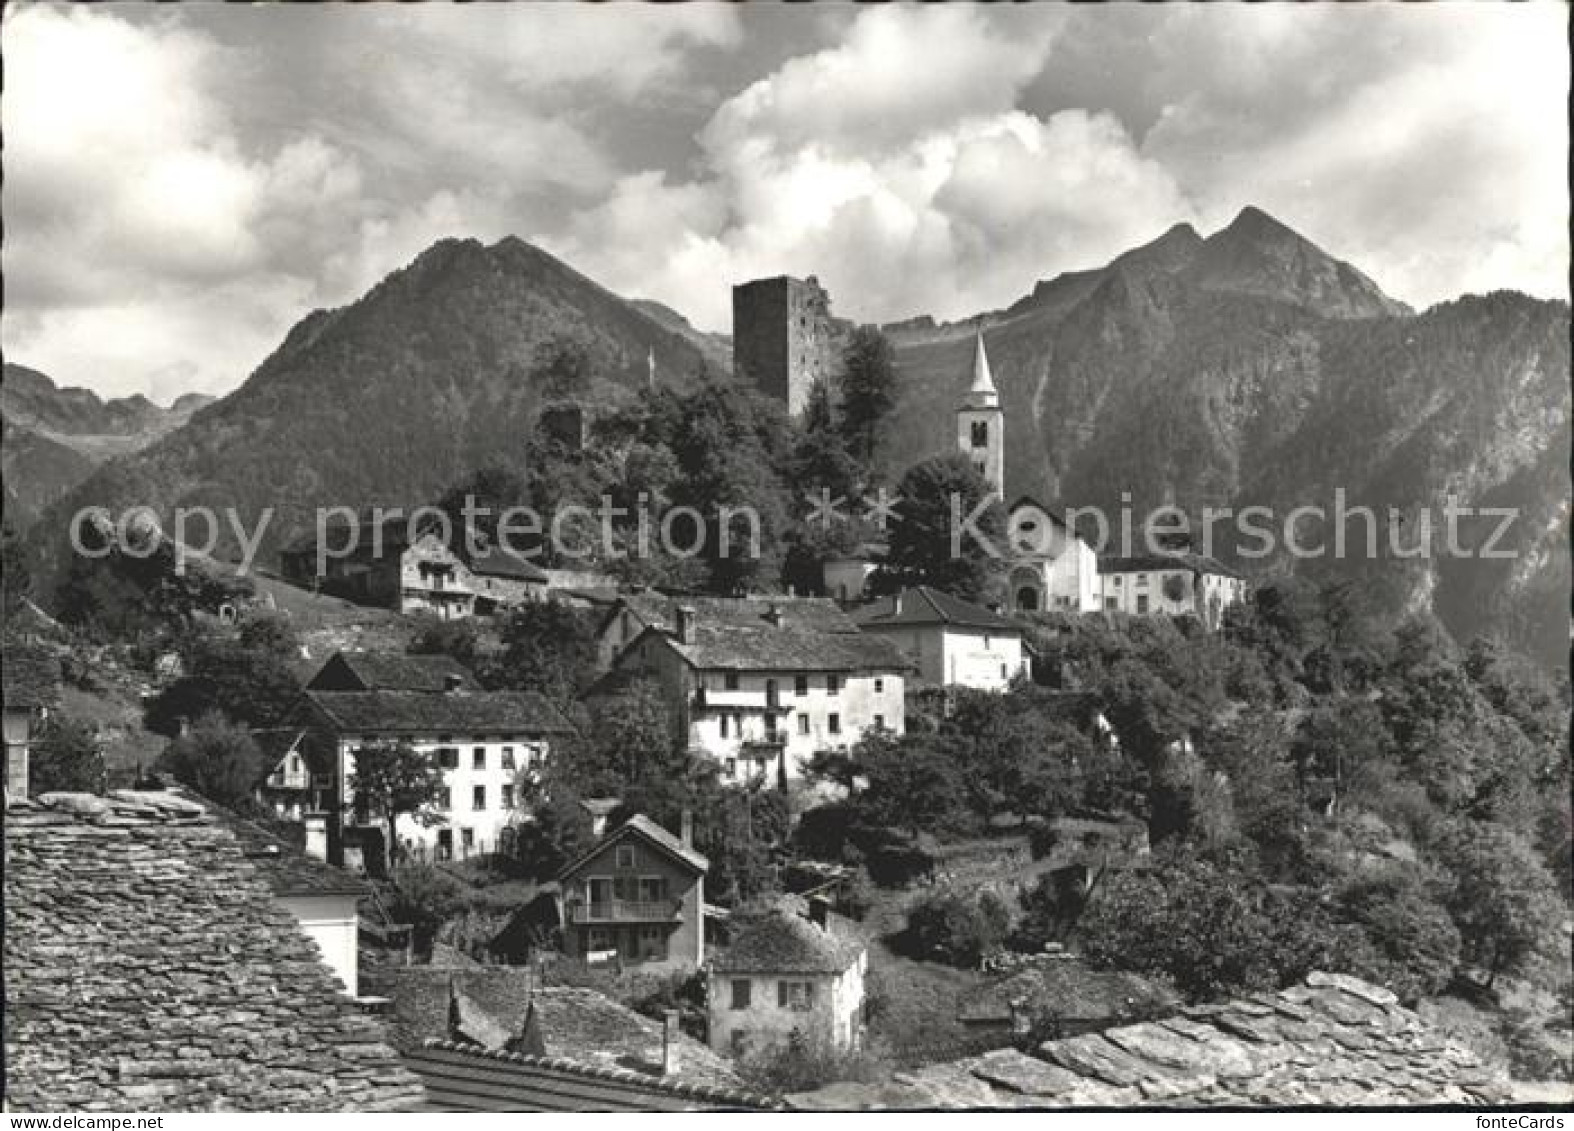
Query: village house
{"x": 300, "y": 780}
{"x": 761, "y": 694}
{"x": 149, "y": 967}
{"x": 951, "y": 641}
{"x": 789, "y": 973}
{"x": 632, "y": 613}
{"x": 1171, "y": 584}
{"x": 637, "y": 897}
{"x": 407, "y": 567}
{"x": 482, "y": 740}
{"x": 32, "y": 688}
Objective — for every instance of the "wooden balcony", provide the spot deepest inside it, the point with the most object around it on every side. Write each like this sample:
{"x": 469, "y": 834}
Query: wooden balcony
{"x": 626, "y": 911}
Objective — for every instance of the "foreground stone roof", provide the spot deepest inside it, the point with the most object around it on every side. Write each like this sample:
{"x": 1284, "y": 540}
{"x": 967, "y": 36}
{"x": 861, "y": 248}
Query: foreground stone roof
{"x": 1333, "y": 1041}
{"x": 149, "y": 968}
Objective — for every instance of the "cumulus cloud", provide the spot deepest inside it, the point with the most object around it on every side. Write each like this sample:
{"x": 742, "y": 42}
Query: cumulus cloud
{"x": 183, "y": 184}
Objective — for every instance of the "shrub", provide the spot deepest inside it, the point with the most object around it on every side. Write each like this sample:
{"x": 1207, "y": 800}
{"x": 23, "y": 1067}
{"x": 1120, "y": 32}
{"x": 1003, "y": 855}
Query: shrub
{"x": 66, "y": 758}
{"x": 802, "y": 1065}
{"x": 956, "y": 929}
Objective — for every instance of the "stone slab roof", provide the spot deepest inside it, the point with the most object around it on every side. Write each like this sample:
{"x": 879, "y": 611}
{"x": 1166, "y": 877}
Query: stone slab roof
{"x": 494, "y": 561}
{"x": 1331, "y": 1041}
{"x": 1146, "y": 563}
{"x": 926, "y": 605}
{"x": 784, "y": 942}
{"x": 464, "y": 1078}
{"x": 720, "y": 646}
{"x": 821, "y": 614}
{"x": 390, "y": 671}
{"x": 149, "y": 968}
{"x": 458, "y": 713}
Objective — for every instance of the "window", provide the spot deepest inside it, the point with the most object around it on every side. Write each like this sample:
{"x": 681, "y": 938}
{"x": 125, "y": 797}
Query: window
{"x": 652, "y": 889}
{"x": 833, "y": 723}
{"x": 295, "y": 763}
{"x": 980, "y": 434}
{"x": 740, "y": 995}
{"x": 731, "y": 767}
{"x": 478, "y": 797}
{"x": 1142, "y": 581}
{"x": 796, "y": 996}
{"x": 445, "y": 798}
{"x": 652, "y": 944}
{"x": 833, "y": 684}
{"x": 508, "y": 757}
{"x": 600, "y": 939}
{"x": 478, "y": 758}
{"x": 740, "y": 1039}
{"x": 800, "y": 684}
{"x": 625, "y": 856}
{"x": 508, "y": 797}
{"x": 879, "y": 722}
{"x": 1142, "y": 602}
{"x": 1119, "y": 581}
{"x": 1003, "y": 671}
{"x": 466, "y": 839}
{"x": 879, "y": 685}
{"x": 803, "y": 724}
{"x": 447, "y": 757}
{"x": 730, "y": 681}
{"x": 723, "y": 724}
{"x": 1111, "y": 602}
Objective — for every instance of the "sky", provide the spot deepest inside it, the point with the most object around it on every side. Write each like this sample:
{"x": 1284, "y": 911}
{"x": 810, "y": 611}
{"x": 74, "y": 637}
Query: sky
{"x": 184, "y": 183}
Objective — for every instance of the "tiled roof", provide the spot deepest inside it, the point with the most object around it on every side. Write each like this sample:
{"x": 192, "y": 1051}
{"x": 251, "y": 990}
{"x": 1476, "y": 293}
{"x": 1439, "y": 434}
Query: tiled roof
{"x": 1332, "y": 1041}
{"x": 494, "y": 561}
{"x": 784, "y": 942}
{"x": 149, "y": 967}
{"x": 465, "y": 1078}
{"x": 455, "y": 712}
{"x": 923, "y": 604}
{"x": 390, "y": 671}
{"x": 30, "y": 676}
{"x": 1144, "y": 563}
{"x": 641, "y": 826}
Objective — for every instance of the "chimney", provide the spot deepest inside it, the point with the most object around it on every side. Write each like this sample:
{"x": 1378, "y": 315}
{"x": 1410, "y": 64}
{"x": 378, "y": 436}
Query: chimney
{"x": 896, "y": 604}
{"x": 453, "y": 681}
{"x": 669, "y": 1041}
{"x": 820, "y": 912}
{"x": 686, "y": 828}
{"x": 685, "y": 619}
{"x": 774, "y": 615}
{"x": 316, "y": 835}
{"x": 1021, "y": 1022}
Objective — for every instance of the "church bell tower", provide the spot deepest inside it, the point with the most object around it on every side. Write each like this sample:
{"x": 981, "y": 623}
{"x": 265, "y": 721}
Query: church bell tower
{"x": 980, "y": 424}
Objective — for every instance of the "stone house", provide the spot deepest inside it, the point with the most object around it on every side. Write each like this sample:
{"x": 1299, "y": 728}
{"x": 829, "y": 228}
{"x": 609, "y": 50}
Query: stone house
{"x": 31, "y": 690}
{"x": 632, "y": 613}
{"x": 787, "y": 974}
{"x": 637, "y": 897}
{"x": 951, "y": 642}
{"x": 150, "y": 968}
{"x": 1171, "y": 584}
{"x": 502, "y": 580}
{"x": 761, "y": 697}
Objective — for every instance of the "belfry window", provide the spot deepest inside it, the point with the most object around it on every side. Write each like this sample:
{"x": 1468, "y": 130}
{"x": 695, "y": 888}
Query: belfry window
{"x": 980, "y": 433}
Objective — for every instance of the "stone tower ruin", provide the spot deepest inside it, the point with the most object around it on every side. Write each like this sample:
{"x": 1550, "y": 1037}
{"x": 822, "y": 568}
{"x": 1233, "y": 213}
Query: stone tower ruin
{"x": 781, "y": 337}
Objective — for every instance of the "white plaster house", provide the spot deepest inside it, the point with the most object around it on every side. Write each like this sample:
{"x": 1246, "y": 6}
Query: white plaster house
{"x": 760, "y": 693}
{"x": 789, "y": 973}
{"x": 950, "y": 641}
{"x": 1173, "y": 584}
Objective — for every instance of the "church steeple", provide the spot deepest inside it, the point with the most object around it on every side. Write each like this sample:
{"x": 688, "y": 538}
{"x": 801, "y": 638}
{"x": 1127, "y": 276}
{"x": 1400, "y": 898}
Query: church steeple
{"x": 982, "y": 393}
{"x": 980, "y": 423}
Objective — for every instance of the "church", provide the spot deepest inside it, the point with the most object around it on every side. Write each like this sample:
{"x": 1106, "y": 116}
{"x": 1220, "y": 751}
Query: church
{"x": 1053, "y": 568}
